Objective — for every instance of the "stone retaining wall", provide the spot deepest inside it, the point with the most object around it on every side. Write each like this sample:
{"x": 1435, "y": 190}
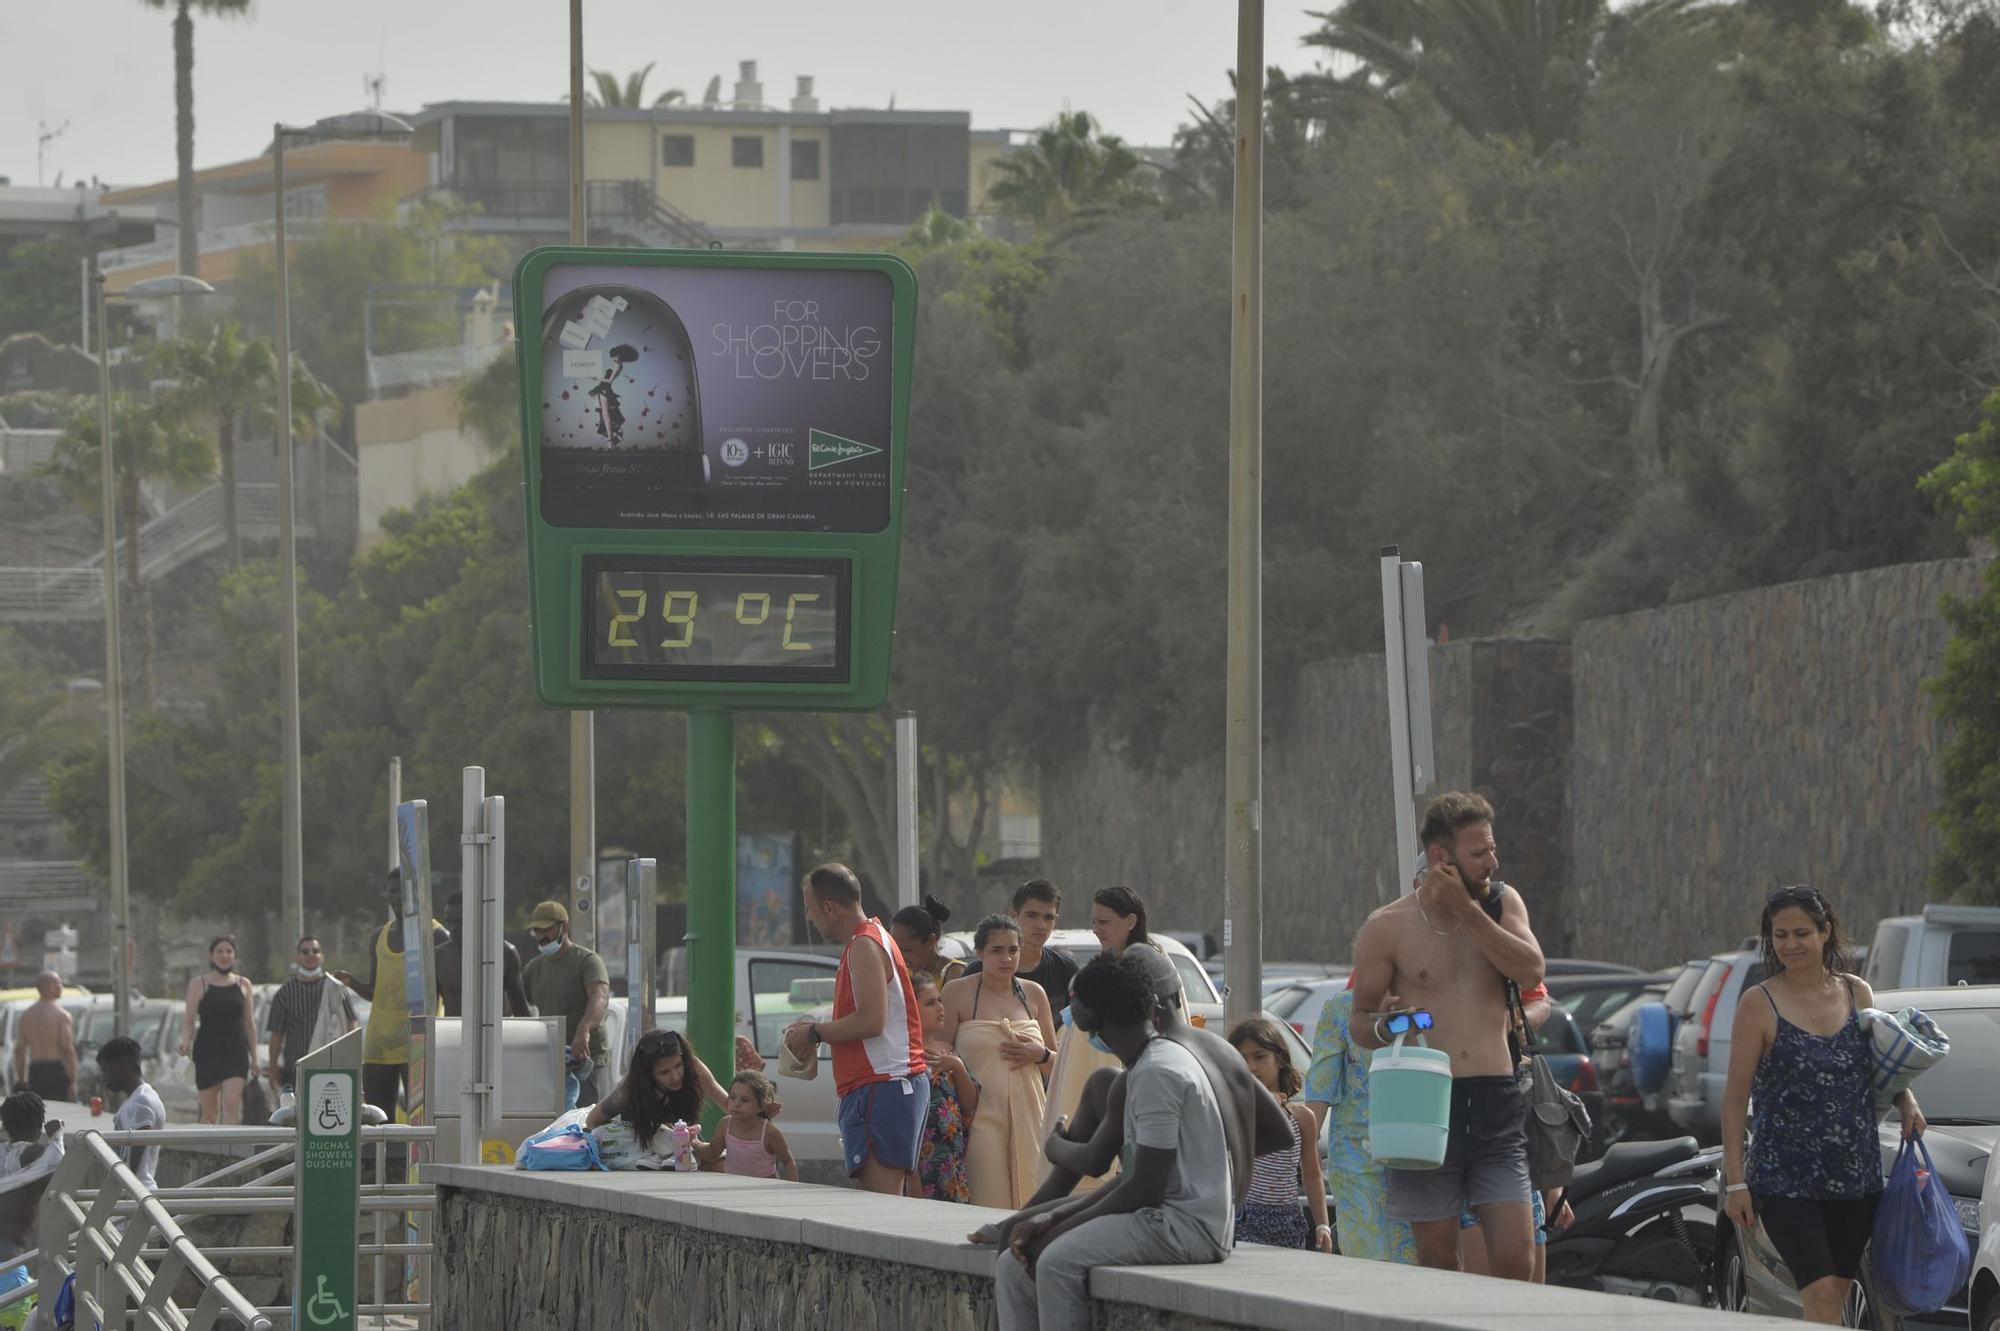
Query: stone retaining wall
{"x": 707, "y": 1252}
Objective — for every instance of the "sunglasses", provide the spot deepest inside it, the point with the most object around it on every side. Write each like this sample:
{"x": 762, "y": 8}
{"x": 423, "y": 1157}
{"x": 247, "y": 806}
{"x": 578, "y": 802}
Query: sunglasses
{"x": 1777, "y": 896}
{"x": 1405, "y": 1022}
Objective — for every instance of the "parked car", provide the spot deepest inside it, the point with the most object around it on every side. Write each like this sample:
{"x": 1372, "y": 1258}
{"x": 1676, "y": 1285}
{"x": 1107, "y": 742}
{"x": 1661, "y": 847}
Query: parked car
{"x": 1591, "y": 997}
{"x": 1298, "y": 1004}
{"x": 1944, "y": 945}
{"x": 1961, "y": 1099}
{"x": 1561, "y": 1042}
{"x": 1984, "y": 1287}
{"x": 1700, "y": 1063}
{"x": 1632, "y": 1110}
{"x": 1552, "y": 966}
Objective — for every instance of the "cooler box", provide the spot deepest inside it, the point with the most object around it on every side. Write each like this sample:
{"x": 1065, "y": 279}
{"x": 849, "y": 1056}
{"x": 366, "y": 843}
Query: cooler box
{"x": 1409, "y": 1106}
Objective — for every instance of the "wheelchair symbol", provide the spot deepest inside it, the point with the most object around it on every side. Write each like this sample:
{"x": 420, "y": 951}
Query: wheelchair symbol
{"x": 330, "y": 1116}
{"x": 323, "y": 1300}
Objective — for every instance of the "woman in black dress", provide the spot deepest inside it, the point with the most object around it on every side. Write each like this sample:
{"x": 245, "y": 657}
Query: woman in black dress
{"x": 224, "y": 1024}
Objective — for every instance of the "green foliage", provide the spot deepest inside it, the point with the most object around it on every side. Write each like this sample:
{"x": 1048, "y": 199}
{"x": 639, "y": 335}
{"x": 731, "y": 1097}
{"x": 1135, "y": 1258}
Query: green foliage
{"x": 150, "y": 441}
{"x": 1068, "y": 169}
{"x": 1966, "y": 693}
{"x": 38, "y": 292}
{"x": 333, "y": 274}
{"x": 631, "y": 94}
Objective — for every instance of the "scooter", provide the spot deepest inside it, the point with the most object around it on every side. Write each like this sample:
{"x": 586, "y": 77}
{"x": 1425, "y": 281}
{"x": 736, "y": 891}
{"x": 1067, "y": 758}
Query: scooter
{"x": 1644, "y": 1223}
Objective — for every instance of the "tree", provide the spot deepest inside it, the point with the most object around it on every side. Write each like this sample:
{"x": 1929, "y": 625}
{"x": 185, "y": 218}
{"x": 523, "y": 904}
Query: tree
{"x": 186, "y": 223}
{"x": 38, "y": 289}
{"x": 1502, "y": 69}
{"x": 37, "y": 721}
{"x": 224, "y": 377}
{"x": 1965, "y": 695}
{"x": 630, "y": 95}
{"x": 150, "y": 441}
{"x": 333, "y": 273}
{"x": 1067, "y": 169}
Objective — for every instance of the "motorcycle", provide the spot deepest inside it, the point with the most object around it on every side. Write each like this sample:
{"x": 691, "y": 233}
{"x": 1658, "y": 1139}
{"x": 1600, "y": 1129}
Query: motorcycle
{"x": 1644, "y": 1223}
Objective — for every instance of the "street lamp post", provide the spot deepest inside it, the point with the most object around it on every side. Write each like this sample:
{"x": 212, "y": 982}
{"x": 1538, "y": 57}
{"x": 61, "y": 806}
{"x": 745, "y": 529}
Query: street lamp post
{"x": 355, "y": 125}
{"x": 114, "y": 690}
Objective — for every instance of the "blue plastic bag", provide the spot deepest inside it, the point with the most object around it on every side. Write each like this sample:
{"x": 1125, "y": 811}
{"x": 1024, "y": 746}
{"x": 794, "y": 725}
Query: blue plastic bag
{"x": 1920, "y": 1255}
{"x": 568, "y": 1147}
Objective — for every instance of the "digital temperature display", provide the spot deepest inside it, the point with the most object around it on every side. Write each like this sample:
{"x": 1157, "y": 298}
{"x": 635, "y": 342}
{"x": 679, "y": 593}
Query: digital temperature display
{"x": 718, "y": 619}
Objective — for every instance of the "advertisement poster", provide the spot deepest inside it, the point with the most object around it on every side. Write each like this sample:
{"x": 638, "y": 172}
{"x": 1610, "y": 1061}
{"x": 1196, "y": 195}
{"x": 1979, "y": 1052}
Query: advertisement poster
{"x": 767, "y": 889}
{"x": 709, "y": 398}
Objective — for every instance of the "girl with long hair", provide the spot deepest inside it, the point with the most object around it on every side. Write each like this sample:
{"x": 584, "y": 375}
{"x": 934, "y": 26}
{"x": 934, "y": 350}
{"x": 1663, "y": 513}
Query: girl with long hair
{"x": 665, "y": 1084}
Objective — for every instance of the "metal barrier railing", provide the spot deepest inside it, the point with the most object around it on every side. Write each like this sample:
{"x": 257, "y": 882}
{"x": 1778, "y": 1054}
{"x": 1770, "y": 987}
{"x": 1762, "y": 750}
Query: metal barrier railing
{"x": 83, "y": 1194}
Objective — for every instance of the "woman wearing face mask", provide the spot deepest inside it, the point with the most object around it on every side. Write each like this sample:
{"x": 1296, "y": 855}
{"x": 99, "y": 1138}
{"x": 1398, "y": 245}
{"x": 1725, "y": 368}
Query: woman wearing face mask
{"x": 1812, "y": 1175}
{"x": 224, "y": 1022}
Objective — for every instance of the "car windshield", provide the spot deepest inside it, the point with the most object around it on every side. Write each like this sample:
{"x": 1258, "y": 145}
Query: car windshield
{"x": 1200, "y": 989}
{"x": 1558, "y": 1035}
{"x": 1966, "y": 1084}
{"x": 1286, "y": 1001}
{"x": 1590, "y": 1006}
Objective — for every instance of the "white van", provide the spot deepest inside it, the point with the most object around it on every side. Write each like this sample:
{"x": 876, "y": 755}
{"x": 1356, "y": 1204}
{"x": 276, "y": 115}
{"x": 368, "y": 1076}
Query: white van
{"x": 1943, "y": 947}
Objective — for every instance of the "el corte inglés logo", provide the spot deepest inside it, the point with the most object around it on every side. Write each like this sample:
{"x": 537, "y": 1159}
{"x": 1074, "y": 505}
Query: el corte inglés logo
{"x": 830, "y": 450}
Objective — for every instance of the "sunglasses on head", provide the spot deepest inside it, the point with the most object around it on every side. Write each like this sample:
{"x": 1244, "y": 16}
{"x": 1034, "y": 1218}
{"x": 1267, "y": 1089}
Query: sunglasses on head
{"x": 1777, "y": 896}
{"x": 1405, "y": 1022}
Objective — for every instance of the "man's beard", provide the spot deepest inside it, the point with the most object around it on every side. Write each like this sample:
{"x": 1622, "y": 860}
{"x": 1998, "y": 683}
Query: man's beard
{"x": 1477, "y": 887}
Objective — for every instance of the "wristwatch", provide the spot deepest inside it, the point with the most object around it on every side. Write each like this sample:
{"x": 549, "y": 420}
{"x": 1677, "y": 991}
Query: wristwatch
{"x": 1047, "y": 1054}
{"x": 812, "y": 1033}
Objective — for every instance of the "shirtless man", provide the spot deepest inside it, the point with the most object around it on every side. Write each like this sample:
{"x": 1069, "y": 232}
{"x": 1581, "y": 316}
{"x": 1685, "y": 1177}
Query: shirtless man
{"x": 1438, "y": 949}
{"x": 45, "y": 1044}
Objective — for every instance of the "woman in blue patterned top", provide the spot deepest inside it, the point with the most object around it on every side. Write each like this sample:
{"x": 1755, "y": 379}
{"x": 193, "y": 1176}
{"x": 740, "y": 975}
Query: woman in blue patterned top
{"x": 1337, "y": 1085}
{"x": 1799, "y": 1071}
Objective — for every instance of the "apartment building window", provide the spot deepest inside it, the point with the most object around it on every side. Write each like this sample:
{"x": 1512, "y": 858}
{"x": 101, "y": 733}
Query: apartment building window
{"x": 677, "y": 150}
{"x": 305, "y": 203}
{"x": 746, "y": 150}
{"x": 805, "y": 159}
{"x": 891, "y": 173}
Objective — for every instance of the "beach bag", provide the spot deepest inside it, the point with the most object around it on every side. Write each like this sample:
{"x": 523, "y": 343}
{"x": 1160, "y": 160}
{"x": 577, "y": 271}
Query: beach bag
{"x": 1919, "y": 1251}
{"x": 618, "y": 1145}
{"x": 564, "y": 1145}
{"x": 791, "y": 1065}
{"x": 13, "y": 1278}
{"x": 1903, "y": 1044}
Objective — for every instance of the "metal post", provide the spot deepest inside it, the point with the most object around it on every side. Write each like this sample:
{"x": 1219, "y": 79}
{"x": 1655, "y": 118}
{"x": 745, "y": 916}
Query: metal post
{"x": 114, "y": 691}
{"x": 473, "y": 1015}
{"x": 1243, "y": 869}
{"x": 395, "y": 798}
{"x": 291, "y": 850}
{"x": 641, "y": 916}
{"x": 907, "y": 874}
{"x": 582, "y": 725}
{"x": 1393, "y": 643}
{"x": 493, "y": 954}
{"x": 711, "y": 856}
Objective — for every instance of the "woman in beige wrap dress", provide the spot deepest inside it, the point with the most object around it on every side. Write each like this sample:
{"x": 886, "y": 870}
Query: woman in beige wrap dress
{"x": 1002, "y": 1026}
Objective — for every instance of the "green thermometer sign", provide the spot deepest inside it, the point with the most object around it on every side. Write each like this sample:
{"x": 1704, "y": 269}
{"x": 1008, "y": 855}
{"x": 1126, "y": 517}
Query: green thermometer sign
{"x": 714, "y": 448}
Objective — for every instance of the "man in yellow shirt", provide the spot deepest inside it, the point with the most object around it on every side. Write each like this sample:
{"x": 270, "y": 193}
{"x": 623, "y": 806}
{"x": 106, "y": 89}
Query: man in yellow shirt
{"x": 385, "y": 1043}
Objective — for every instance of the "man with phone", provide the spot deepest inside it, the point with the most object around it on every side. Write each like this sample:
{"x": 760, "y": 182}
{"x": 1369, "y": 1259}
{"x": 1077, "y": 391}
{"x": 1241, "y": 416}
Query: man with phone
{"x": 1444, "y": 950}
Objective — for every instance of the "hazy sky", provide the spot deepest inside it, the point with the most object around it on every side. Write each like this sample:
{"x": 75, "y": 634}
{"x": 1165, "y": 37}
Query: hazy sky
{"x": 106, "y": 66}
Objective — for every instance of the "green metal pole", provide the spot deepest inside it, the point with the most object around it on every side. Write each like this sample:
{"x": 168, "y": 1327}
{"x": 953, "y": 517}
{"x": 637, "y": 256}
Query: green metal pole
{"x": 711, "y": 866}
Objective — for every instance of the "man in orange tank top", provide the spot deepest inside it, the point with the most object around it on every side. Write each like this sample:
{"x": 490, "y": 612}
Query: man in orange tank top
{"x": 876, "y": 1034}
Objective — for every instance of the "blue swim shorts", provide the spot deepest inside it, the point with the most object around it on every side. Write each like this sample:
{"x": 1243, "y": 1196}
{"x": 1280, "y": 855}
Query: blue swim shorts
{"x": 885, "y": 1118}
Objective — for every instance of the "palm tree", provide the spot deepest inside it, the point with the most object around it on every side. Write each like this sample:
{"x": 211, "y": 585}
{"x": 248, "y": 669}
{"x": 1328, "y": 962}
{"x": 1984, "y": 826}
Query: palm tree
{"x": 150, "y": 441}
{"x": 1069, "y": 168}
{"x": 1502, "y": 69}
{"x": 631, "y": 94}
{"x": 184, "y": 217}
{"x": 224, "y": 377}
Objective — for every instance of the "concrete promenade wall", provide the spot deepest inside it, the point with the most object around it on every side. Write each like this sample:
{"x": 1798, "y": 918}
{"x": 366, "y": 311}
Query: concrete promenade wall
{"x": 706, "y": 1252}
{"x": 1651, "y": 776}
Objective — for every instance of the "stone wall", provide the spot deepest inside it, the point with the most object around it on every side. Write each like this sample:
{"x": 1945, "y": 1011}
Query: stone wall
{"x": 1501, "y": 725}
{"x": 1649, "y": 777}
{"x": 703, "y": 1252}
{"x": 1727, "y": 746}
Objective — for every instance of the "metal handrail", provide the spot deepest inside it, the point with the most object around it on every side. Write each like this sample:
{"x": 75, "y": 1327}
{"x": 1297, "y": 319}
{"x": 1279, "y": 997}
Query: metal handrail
{"x": 114, "y": 1282}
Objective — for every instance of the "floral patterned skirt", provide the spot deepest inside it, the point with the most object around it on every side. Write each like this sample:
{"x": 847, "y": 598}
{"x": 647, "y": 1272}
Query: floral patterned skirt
{"x": 941, "y": 1158}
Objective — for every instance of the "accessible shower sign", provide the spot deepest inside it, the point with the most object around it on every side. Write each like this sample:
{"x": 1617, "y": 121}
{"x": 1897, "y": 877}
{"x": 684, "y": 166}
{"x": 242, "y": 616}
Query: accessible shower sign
{"x": 723, "y": 398}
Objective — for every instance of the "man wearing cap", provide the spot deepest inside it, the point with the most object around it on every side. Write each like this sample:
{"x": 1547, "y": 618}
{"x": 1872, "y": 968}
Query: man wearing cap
{"x": 566, "y": 980}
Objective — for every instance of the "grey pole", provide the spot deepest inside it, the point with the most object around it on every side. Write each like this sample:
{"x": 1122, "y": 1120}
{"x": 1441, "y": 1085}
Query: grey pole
{"x": 114, "y": 691}
{"x": 1400, "y": 778}
{"x": 1243, "y": 868}
{"x": 907, "y": 873}
{"x": 582, "y": 724}
{"x": 291, "y": 849}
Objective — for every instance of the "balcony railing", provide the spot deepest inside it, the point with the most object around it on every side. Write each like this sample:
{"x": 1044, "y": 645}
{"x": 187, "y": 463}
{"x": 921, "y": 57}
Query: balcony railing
{"x": 244, "y": 235}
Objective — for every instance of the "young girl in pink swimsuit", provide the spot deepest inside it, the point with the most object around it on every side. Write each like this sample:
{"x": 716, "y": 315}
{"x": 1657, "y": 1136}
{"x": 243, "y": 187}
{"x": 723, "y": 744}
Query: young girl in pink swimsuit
{"x": 748, "y": 1143}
